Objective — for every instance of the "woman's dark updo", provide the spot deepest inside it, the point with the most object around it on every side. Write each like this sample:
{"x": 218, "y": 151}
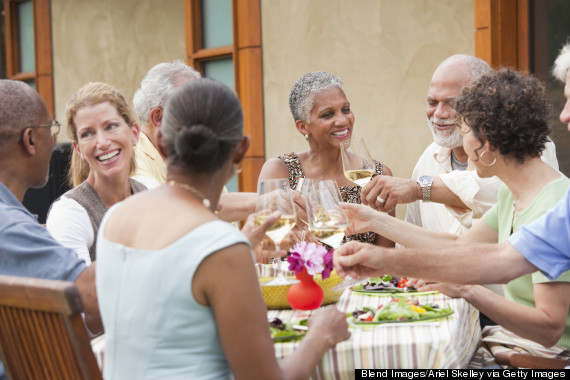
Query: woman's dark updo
{"x": 202, "y": 124}
{"x": 509, "y": 109}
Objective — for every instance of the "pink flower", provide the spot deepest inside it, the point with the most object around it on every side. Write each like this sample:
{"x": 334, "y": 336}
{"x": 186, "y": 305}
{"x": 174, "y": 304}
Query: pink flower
{"x": 312, "y": 256}
{"x": 328, "y": 261}
{"x": 295, "y": 262}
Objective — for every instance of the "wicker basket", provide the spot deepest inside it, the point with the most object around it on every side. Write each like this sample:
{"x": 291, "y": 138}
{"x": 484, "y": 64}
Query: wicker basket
{"x": 276, "y": 296}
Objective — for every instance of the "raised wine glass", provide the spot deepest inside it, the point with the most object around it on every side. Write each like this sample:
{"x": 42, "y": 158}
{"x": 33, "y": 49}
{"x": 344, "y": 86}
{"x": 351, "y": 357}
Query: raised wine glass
{"x": 327, "y": 220}
{"x": 275, "y": 195}
{"x": 357, "y": 164}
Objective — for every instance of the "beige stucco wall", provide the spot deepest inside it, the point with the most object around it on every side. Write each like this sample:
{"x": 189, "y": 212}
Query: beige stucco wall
{"x": 385, "y": 52}
{"x": 112, "y": 41}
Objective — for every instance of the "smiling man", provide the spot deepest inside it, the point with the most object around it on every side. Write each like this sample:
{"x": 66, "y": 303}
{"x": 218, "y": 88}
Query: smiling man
{"x": 443, "y": 195}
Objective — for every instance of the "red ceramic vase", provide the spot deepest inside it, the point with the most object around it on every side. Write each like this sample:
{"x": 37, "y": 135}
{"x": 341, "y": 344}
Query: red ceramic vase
{"x": 305, "y": 295}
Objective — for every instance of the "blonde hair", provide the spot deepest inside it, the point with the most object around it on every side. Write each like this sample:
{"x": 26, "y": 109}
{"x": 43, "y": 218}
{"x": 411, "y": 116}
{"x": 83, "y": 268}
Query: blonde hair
{"x": 91, "y": 94}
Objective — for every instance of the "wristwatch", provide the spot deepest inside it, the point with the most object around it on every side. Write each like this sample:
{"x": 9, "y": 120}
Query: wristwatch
{"x": 425, "y": 182}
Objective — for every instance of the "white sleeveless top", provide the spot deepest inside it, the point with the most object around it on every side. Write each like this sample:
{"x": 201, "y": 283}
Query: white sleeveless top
{"x": 154, "y": 328}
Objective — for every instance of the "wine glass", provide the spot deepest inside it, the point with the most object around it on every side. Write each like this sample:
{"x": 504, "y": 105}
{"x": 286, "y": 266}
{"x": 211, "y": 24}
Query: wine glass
{"x": 275, "y": 195}
{"x": 327, "y": 220}
{"x": 357, "y": 163}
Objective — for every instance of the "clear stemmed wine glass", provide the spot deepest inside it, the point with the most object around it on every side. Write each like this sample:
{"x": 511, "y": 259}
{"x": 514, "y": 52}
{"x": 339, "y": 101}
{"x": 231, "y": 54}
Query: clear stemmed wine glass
{"x": 275, "y": 195}
{"x": 357, "y": 164}
{"x": 327, "y": 220}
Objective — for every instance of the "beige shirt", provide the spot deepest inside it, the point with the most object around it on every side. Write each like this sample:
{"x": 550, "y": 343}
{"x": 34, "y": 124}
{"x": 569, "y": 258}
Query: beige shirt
{"x": 151, "y": 168}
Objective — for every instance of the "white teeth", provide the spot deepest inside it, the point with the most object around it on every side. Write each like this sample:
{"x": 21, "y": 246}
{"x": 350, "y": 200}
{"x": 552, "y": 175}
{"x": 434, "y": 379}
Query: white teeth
{"x": 341, "y": 133}
{"x": 108, "y": 155}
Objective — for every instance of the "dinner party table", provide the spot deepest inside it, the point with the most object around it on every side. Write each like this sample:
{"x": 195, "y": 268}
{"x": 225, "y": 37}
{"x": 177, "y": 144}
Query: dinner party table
{"x": 444, "y": 343}
{"x": 448, "y": 342}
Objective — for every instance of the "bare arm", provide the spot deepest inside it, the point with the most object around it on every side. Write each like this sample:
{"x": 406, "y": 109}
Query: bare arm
{"x": 362, "y": 218}
{"x": 248, "y": 346}
{"x": 395, "y": 190}
{"x": 544, "y": 323}
{"x": 236, "y": 206}
{"x": 85, "y": 283}
{"x": 468, "y": 264}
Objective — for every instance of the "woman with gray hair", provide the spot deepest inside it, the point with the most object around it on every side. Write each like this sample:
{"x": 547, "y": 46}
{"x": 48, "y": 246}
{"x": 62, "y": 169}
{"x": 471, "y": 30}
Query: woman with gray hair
{"x": 170, "y": 286}
{"x": 323, "y": 116}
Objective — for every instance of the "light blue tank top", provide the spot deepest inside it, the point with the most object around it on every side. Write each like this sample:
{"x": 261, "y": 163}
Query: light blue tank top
{"x": 154, "y": 328}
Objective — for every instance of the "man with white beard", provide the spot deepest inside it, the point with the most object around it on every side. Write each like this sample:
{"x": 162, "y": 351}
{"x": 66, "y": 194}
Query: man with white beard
{"x": 442, "y": 194}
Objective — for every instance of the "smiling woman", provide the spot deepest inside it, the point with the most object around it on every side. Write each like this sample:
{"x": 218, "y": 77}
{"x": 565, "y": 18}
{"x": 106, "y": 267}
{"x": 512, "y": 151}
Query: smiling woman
{"x": 323, "y": 115}
{"x": 103, "y": 134}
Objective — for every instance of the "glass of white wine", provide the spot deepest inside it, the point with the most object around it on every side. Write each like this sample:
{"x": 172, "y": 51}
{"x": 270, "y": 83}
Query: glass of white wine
{"x": 275, "y": 195}
{"x": 357, "y": 164}
{"x": 327, "y": 220}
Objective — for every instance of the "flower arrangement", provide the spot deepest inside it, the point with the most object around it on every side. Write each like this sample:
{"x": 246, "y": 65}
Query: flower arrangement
{"x": 312, "y": 256}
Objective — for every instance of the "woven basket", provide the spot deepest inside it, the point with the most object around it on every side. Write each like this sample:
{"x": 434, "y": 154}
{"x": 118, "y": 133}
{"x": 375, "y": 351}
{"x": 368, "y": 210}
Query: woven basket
{"x": 276, "y": 296}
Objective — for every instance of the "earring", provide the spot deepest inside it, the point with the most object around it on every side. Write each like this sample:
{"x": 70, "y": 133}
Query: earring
{"x": 238, "y": 167}
{"x": 81, "y": 156}
{"x": 494, "y": 158}
{"x": 306, "y": 137}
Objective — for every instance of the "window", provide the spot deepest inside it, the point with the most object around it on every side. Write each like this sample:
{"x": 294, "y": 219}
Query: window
{"x": 223, "y": 41}
{"x": 25, "y": 45}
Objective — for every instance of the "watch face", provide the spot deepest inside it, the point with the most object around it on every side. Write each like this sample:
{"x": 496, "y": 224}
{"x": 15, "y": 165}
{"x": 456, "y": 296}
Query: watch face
{"x": 425, "y": 179}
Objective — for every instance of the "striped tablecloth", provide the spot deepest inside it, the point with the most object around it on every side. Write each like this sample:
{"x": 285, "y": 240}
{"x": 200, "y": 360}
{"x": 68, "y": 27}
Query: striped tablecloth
{"x": 448, "y": 343}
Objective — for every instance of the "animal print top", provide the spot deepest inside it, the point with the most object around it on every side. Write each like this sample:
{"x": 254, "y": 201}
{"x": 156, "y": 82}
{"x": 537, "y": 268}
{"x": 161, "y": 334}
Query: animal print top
{"x": 349, "y": 194}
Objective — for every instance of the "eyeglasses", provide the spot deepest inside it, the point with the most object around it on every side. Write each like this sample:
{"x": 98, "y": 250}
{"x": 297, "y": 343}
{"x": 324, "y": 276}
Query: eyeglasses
{"x": 54, "y": 127}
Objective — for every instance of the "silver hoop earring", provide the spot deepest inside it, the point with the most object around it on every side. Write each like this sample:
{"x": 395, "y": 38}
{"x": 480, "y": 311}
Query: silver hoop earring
{"x": 494, "y": 158}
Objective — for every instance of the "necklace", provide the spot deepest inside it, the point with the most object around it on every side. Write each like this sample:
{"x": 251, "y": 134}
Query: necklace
{"x": 191, "y": 189}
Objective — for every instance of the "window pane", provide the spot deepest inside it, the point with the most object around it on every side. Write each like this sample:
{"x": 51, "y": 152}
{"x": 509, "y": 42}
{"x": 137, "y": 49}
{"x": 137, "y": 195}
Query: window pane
{"x": 222, "y": 70}
{"x": 216, "y": 23}
{"x": 32, "y": 84}
{"x": 26, "y": 37}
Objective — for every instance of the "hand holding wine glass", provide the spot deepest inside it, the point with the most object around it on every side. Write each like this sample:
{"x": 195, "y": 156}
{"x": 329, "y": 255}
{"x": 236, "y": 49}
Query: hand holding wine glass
{"x": 275, "y": 195}
{"x": 357, "y": 164}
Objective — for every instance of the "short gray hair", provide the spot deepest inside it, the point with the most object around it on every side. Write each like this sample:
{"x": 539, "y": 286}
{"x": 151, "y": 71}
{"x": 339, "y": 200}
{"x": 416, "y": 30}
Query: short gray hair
{"x": 302, "y": 94}
{"x": 562, "y": 63}
{"x": 475, "y": 66}
{"x": 157, "y": 86}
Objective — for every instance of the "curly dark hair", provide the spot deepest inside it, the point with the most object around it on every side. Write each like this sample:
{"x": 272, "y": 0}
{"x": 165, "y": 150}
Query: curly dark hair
{"x": 509, "y": 109}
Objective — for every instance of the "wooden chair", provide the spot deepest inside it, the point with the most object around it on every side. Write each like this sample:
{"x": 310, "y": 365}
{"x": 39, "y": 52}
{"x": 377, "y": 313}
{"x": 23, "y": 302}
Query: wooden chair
{"x": 42, "y": 335}
{"x": 517, "y": 360}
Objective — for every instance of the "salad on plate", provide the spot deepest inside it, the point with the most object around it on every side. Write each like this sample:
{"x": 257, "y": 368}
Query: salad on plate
{"x": 398, "y": 311}
{"x": 286, "y": 331}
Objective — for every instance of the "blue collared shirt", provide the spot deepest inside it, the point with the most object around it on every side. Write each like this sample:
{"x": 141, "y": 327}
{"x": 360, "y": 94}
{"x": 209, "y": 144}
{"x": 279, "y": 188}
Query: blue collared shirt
{"x": 28, "y": 250}
{"x": 546, "y": 241}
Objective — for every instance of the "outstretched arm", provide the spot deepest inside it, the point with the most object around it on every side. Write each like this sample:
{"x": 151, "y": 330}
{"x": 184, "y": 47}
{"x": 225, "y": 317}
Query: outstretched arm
{"x": 469, "y": 264}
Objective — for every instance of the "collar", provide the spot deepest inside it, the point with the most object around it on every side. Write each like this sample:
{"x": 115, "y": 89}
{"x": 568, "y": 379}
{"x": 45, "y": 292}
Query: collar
{"x": 148, "y": 148}
{"x": 443, "y": 156}
{"x": 7, "y": 198}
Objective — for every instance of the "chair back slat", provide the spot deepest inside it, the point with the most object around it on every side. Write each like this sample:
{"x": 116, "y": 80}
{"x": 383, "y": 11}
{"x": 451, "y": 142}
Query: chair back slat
{"x": 42, "y": 334}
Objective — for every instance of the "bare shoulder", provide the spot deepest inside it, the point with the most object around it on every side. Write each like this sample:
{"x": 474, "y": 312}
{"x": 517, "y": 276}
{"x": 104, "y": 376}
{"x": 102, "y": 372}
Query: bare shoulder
{"x": 274, "y": 168}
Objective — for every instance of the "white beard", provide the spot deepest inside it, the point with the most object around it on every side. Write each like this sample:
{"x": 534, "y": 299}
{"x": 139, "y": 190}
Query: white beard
{"x": 449, "y": 139}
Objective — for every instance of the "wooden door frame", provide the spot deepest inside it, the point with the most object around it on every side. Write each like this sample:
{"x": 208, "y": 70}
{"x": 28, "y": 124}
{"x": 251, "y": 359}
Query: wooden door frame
{"x": 247, "y": 59}
{"x": 502, "y": 33}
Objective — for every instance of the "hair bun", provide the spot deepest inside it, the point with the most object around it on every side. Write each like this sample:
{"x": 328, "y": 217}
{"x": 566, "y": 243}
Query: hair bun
{"x": 197, "y": 143}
